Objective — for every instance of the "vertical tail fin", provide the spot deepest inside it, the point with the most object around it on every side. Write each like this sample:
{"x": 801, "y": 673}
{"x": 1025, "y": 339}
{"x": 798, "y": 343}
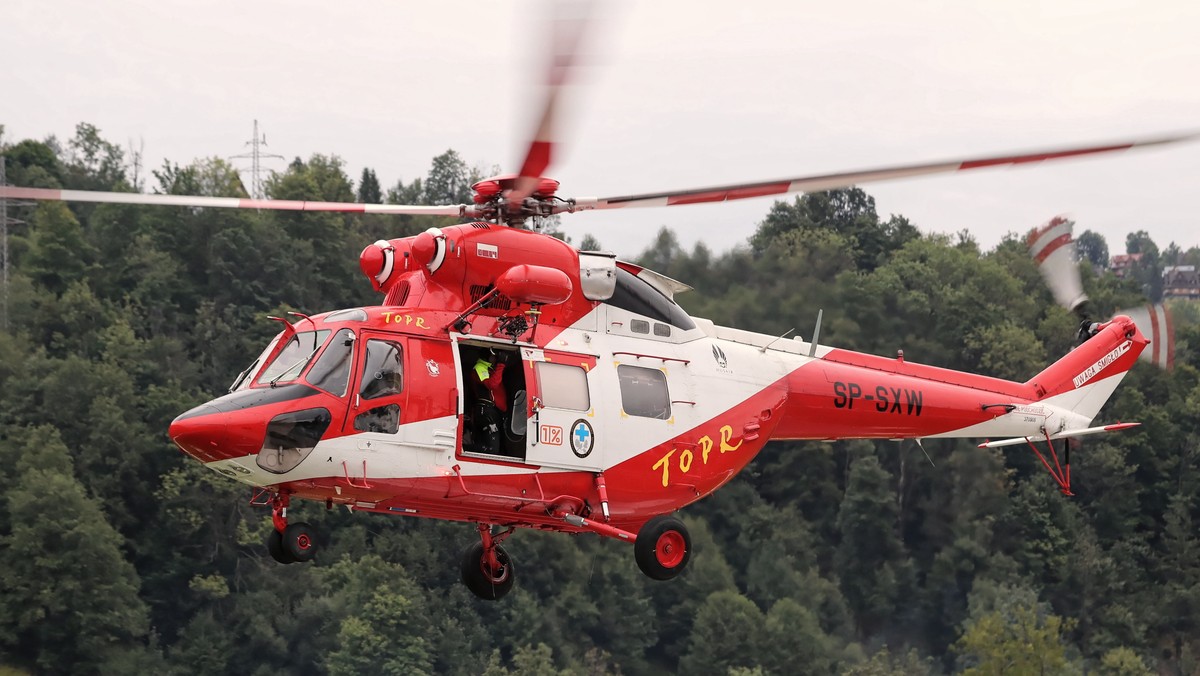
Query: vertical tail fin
{"x": 1085, "y": 378}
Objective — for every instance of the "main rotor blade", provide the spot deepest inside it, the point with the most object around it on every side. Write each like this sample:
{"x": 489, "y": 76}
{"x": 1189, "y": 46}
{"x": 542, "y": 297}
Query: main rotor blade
{"x": 44, "y": 194}
{"x": 567, "y": 29}
{"x": 846, "y": 179}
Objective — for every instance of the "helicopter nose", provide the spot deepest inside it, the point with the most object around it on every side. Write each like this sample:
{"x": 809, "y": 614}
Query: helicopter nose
{"x": 201, "y": 433}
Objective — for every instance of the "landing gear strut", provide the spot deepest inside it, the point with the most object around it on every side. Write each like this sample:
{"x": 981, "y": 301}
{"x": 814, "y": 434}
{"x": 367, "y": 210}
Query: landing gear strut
{"x": 289, "y": 543}
{"x": 487, "y": 569}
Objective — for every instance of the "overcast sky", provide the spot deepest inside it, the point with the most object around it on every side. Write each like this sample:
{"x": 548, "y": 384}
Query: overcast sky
{"x": 686, "y": 94}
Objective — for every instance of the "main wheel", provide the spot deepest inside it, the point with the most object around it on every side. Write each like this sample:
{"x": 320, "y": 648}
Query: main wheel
{"x": 300, "y": 541}
{"x": 484, "y": 582}
{"x": 663, "y": 547}
{"x": 275, "y": 547}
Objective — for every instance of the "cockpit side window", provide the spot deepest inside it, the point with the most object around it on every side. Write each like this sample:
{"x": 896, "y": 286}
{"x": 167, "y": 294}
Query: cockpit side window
{"x": 332, "y": 370}
{"x": 383, "y": 369}
{"x": 246, "y": 377}
{"x": 295, "y": 355}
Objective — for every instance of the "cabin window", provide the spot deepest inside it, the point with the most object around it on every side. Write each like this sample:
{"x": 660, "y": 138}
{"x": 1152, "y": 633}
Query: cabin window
{"x": 385, "y": 419}
{"x": 639, "y": 326}
{"x": 383, "y": 371}
{"x": 563, "y": 386}
{"x": 644, "y": 392}
{"x": 662, "y": 330}
{"x": 637, "y": 296}
{"x": 332, "y": 370}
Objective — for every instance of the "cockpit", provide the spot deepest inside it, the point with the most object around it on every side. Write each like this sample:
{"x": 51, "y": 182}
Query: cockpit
{"x": 335, "y": 378}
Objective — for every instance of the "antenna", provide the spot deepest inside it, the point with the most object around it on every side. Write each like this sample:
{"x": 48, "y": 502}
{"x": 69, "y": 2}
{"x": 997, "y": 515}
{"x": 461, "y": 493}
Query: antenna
{"x": 812, "y": 347}
{"x": 256, "y": 155}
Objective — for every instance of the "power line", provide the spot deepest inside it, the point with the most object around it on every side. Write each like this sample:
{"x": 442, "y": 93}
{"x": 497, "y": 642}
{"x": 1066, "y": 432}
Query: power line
{"x": 256, "y": 155}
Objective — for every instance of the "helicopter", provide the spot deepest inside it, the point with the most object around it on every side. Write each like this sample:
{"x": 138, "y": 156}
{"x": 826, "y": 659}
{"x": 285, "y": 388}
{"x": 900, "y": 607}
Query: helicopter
{"x": 509, "y": 380}
{"x": 612, "y": 407}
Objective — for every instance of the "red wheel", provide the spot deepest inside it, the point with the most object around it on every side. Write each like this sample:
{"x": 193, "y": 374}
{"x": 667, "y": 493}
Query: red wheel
{"x": 300, "y": 541}
{"x": 484, "y": 581}
{"x": 663, "y": 547}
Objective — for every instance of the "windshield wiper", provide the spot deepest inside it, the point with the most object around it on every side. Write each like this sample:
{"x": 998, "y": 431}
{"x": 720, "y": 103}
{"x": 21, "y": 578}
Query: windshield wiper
{"x": 301, "y": 362}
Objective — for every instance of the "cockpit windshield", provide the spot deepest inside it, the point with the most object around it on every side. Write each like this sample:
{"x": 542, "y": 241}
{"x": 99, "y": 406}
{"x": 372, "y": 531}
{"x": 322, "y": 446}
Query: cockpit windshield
{"x": 246, "y": 377}
{"x": 295, "y": 355}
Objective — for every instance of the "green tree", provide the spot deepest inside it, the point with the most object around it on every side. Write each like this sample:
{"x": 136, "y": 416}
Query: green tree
{"x": 1021, "y": 641}
{"x": 871, "y": 560}
{"x": 391, "y": 641}
{"x": 726, "y": 634}
{"x": 59, "y": 254}
{"x": 68, "y": 598}
{"x": 794, "y": 642}
{"x": 1092, "y": 248}
{"x": 1122, "y": 662}
{"x": 448, "y": 181}
{"x": 368, "y": 187}
{"x": 94, "y": 163}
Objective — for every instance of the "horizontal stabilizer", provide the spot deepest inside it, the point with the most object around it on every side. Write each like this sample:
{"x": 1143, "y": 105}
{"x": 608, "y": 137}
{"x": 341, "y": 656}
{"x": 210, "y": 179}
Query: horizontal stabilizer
{"x": 1059, "y": 435}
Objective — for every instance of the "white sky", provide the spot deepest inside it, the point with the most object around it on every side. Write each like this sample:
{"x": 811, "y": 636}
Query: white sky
{"x": 687, "y": 94}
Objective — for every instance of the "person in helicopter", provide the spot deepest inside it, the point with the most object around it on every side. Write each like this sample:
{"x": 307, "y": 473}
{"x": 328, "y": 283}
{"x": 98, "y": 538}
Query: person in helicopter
{"x": 491, "y": 405}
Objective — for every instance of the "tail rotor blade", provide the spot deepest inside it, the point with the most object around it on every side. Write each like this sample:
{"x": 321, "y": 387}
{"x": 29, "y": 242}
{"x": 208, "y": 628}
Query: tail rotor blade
{"x": 1053, "y": 248}
{"x": 1154, "y": 321}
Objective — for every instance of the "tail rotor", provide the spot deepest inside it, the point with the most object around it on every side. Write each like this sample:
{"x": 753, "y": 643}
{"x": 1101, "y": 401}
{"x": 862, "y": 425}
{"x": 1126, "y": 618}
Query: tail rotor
{"x": 1053, "y": 248}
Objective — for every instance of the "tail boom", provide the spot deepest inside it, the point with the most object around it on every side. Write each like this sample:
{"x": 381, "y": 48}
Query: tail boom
{"x": 846, "y": 395}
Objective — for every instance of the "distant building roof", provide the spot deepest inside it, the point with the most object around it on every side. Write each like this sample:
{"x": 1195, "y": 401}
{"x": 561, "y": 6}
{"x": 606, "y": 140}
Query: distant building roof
{"x": 1121, "y": 263}
{"x": 1181, "y": 281}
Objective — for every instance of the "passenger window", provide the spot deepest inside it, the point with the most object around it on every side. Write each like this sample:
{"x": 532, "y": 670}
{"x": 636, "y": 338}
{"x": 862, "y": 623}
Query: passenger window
{"x": 563, "y": 386}
{"x": 383, "y": 372}
{"x": 639, "y": 326}
{"x": 644, "y": 392}
{"x": 332, "y": 370}
{"x": 662, "y": 330}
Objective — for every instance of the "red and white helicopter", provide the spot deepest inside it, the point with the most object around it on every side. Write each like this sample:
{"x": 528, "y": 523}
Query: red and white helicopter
{"x": 511, "y": 381}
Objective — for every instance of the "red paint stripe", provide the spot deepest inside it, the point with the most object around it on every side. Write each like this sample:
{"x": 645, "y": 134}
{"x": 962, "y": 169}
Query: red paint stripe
{"x": 1155, "y": 338}
{"x": 13, "y": 192}
{"x": 735, "y": 194}
{"x": 1120, "y": 426}
{"x": 537, "y": 160}
{"x": 1170, "y": 338}
{"x": 1037, "y": 234}
{"x": 1053, "y": 246}
{"x": 1039, "y": 157}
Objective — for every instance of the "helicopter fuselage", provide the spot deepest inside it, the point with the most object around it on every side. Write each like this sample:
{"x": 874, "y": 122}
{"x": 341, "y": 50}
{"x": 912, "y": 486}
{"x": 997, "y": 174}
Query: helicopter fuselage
{"x": 616, "y": 407}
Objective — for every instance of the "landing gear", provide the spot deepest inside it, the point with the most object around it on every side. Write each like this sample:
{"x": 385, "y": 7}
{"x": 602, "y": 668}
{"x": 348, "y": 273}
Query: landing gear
{"x": 275, "y": 547}
{"x": 663, "y": 547}
{"x": 289, "y": 543}
{"x": 487, "y": 569}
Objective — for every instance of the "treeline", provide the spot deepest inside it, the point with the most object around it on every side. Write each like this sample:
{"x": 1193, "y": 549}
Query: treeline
{"x": 117, "y": 555}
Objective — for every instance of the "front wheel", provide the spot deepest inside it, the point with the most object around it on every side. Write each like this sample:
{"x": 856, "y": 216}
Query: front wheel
{"x": 275, "y": 547}
{"x": 663, "y": 547}
{"x": 300, "y": 541}
{"x": 484, "y": 581}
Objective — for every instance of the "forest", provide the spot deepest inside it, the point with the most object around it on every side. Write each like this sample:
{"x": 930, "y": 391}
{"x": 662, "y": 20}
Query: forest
{"x": 120, "y": 555}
